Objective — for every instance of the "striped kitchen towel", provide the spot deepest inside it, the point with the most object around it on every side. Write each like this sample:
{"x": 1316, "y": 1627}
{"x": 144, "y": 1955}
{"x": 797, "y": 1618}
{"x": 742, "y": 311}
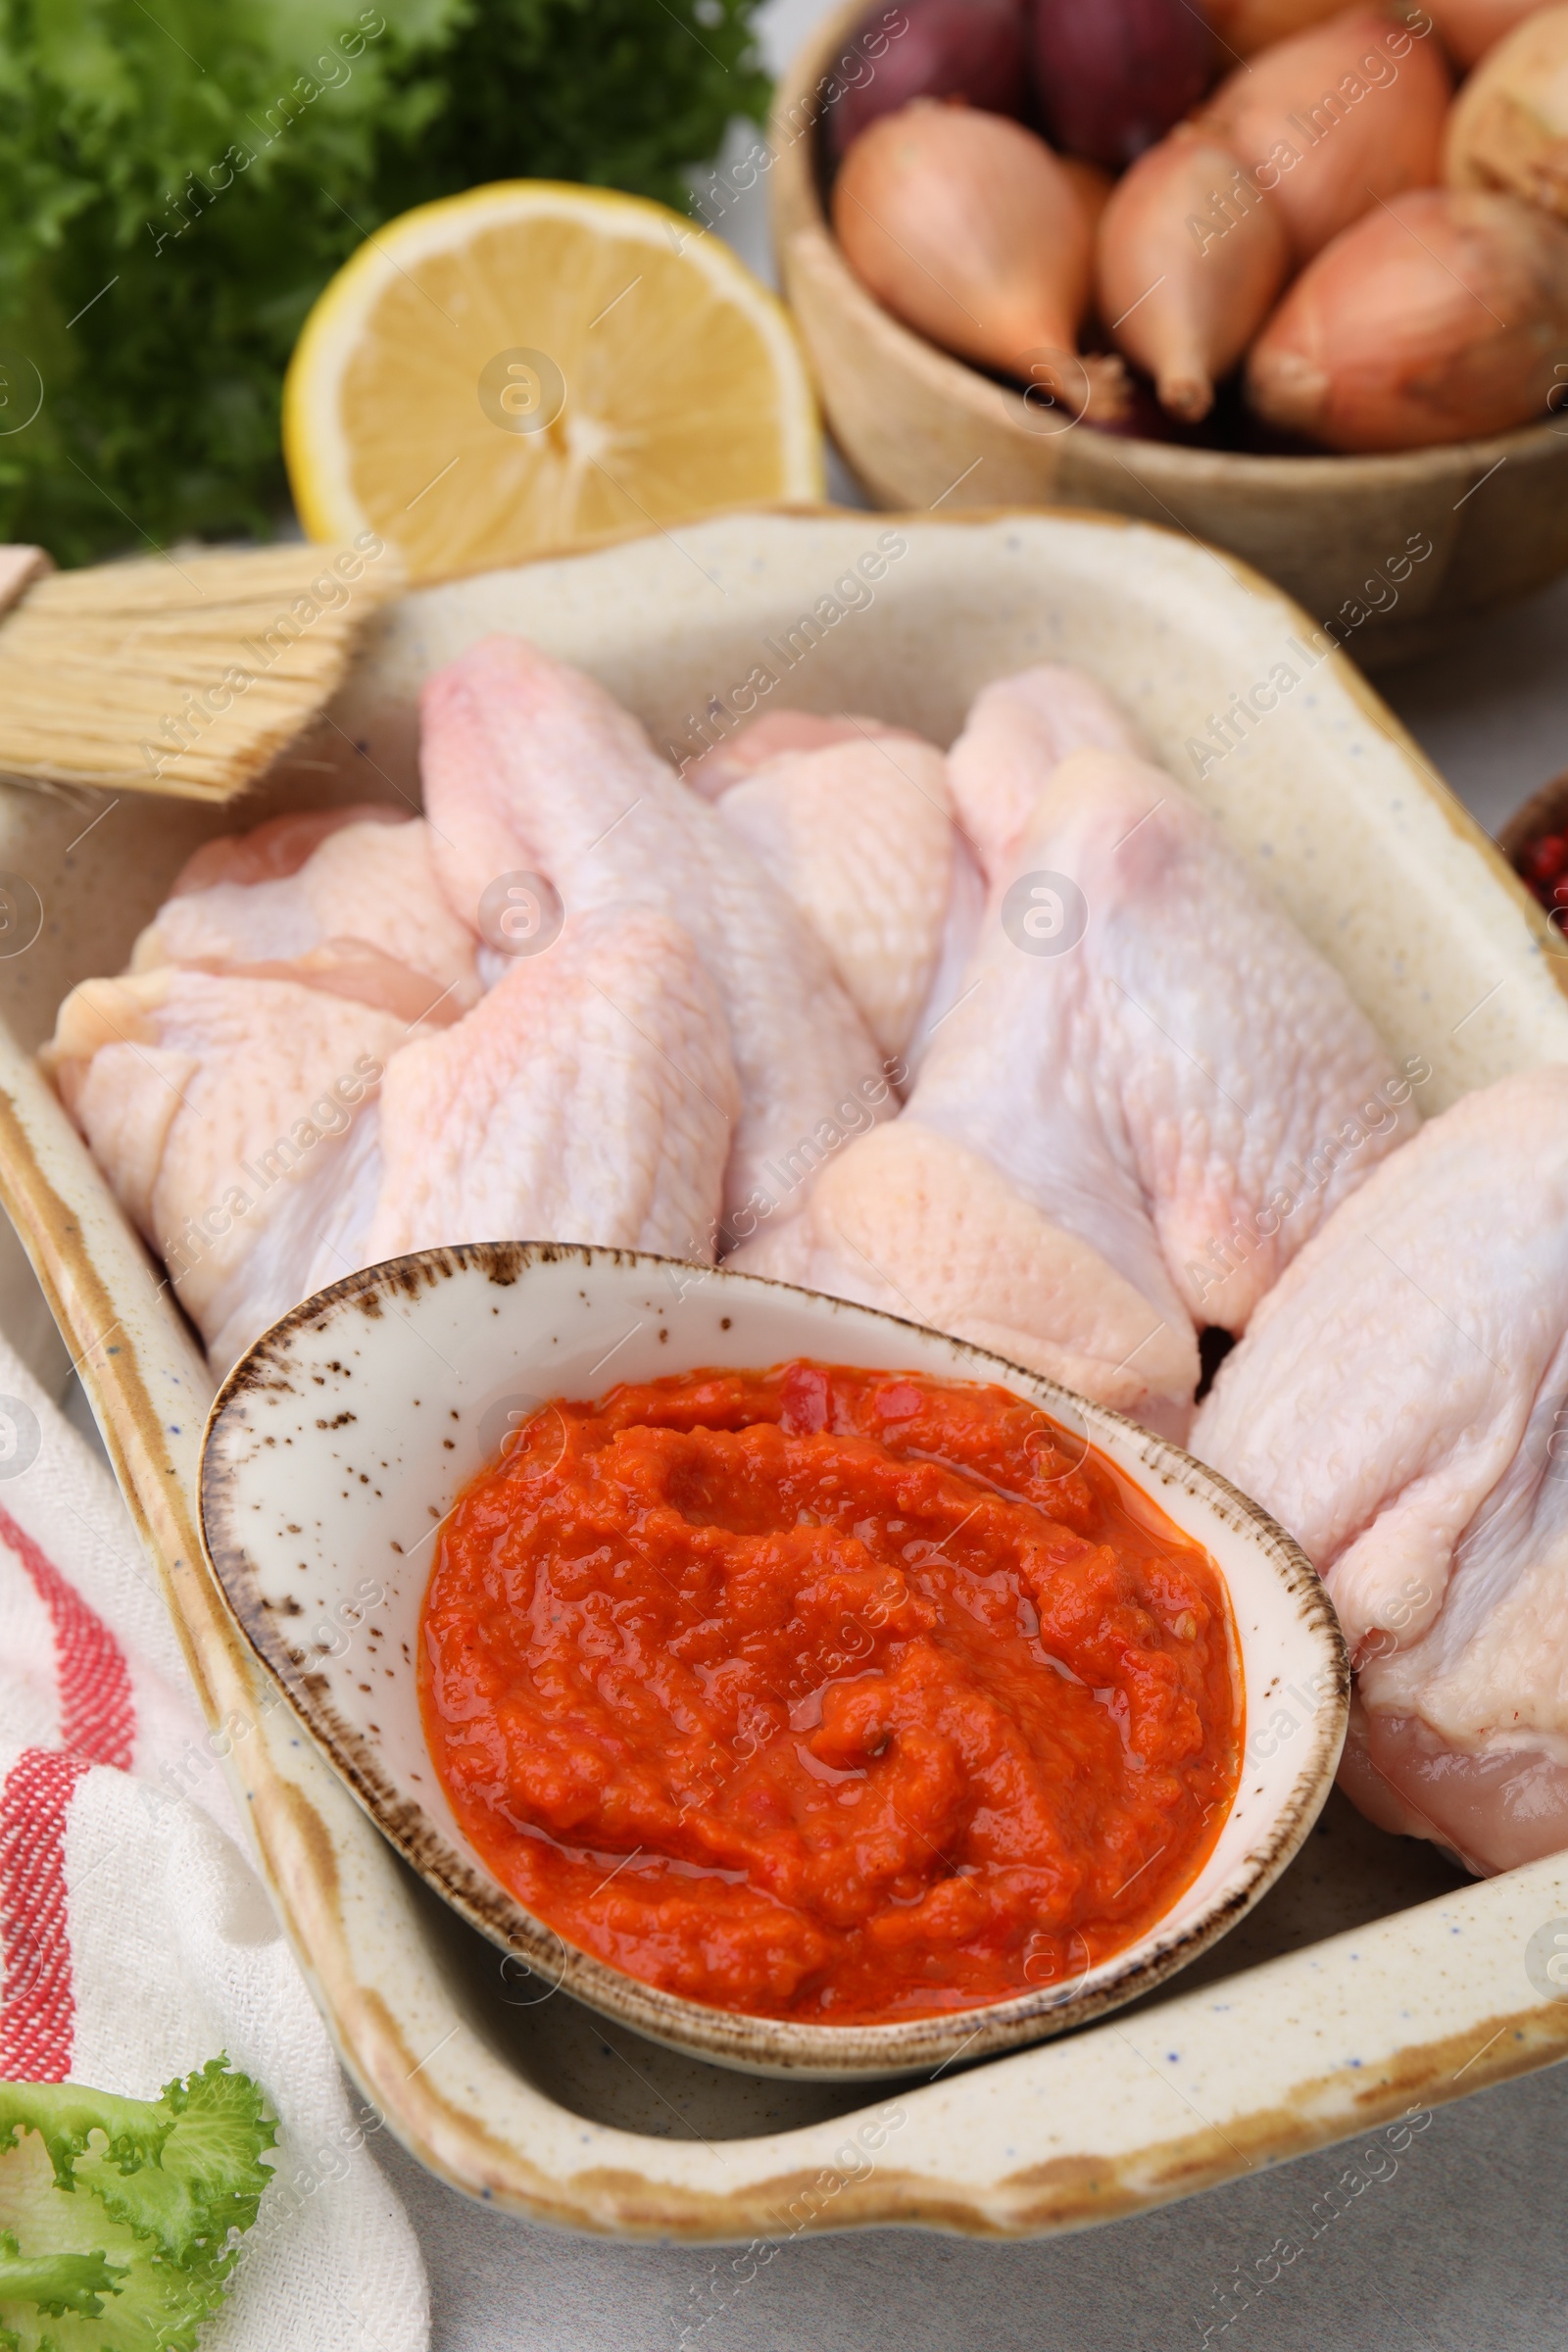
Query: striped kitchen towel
{"x": 137, "y": 1939}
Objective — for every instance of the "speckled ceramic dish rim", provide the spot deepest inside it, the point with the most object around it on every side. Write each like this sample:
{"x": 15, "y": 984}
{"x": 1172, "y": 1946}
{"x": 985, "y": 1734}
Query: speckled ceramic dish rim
{"x": 237, "y": 1470}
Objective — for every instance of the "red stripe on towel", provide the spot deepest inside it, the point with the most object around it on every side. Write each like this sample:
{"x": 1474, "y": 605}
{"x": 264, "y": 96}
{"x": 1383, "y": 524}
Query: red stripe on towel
{"x": 97, "y": 1725}
{"x": 37, "y": 2020}
{"x": 97, "y": 1711}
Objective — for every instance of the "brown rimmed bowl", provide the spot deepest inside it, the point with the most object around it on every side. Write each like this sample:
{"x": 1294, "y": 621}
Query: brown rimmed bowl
{"x": 338, "y": 1445}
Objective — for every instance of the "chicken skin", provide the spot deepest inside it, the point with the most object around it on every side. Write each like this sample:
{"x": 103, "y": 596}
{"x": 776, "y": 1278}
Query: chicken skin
{"x": 236, "y": 1120}
{"x": 532, "y": 768}
{"x": 1161, "y": 1069}
{"x": 350, "y": 896}
{"x": 1400, "y": 1405}
{"x": 907, "y": 1220}
{"x": 269, "y": 1138}
{"x": 858, "y": 834}
{"x": 551, "y": 1114}
{"x": 1019, "y": 729}
{"x": 1173, "y": 1074}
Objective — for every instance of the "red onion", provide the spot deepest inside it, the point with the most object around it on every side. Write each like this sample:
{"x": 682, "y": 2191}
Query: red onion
{"x": 1113, "y": 75}
{"x": 977, "y": 50}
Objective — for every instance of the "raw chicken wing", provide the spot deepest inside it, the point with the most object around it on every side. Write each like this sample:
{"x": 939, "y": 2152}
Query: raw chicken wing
{"x": 909, "y": 1221}
{"x": 1400, "y": 1405}
{"x": 237, "y": 1123}
{"x": 1017, "y": 730}
{"x": 859, "y": 835}
{"x": 1187, "y": 1084}
{"x": 551, "y": 1114}
{"x": 1178, "y": 1092}
{"x": 352, "y": 897}
{"x": 269, "y": 1138}
{"x": 530, "y": 766}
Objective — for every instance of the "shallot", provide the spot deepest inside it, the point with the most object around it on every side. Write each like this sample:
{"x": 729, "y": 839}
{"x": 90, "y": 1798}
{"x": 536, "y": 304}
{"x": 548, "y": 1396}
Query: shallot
{"x": 1094, "y": 185}
{"x": 977, "y": 50}
{"x": 1114, "y": 74}
{"x": 1191, "y": 259}
{"x": 1509, "y": 125}
{"x": 966, "y": 227}
{"x": 1438, "y": 317}
{"x": 1335, "y": 120}
{"x": 1468, "y": 27}
{"x": 1244, "y": 26}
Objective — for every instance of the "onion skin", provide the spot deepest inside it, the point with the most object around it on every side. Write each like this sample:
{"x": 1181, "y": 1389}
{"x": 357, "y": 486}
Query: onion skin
{"x": 1093, "y": 185}
{"x": 1296, "y": 126}
{"x": 1191, "y": 259}
{"x": 965, "y": 226}
{"x": 1394, "y": 337}
{"x": 1112, "y": 76}
{"x": 977, "y": 50}
{"x": 1244, "y": 26}
{"x": 1469, "y": 27}
{"x": 1508, "y": 129}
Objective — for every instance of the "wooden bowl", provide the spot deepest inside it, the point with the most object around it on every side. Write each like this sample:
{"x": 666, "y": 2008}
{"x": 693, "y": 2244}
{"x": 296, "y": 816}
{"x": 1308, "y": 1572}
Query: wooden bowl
{"x": 921, "y": 429}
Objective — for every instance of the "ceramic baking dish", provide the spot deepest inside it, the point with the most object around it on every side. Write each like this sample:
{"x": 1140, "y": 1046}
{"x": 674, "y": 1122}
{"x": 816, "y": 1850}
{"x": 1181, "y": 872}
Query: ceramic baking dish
{"x": 1372, "y": 1979}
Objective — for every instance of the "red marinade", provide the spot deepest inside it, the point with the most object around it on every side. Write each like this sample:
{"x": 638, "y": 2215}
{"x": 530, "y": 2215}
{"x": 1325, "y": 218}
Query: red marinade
{"x": 828, "y": 1694}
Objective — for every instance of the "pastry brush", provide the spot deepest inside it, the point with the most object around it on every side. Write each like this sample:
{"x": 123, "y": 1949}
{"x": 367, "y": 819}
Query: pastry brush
{"x": 183, "y": 673}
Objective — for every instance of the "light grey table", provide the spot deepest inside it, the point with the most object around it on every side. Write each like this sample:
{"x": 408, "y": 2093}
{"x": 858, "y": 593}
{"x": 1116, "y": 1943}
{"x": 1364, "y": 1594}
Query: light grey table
{"x": 1466, "y": 2245}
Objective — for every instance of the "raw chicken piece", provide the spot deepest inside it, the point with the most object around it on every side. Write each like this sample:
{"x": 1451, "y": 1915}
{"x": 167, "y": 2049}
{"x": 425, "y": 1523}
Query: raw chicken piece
{"x": 1187, "y": 1086}
{"x": 961, "y": 936}
{"x": 1183, "y": 1086}
{"x": 529, "y": 766}
{"x": 858, "y": 834}
{"x": 725, "y": 763}
{"x": 820, "y": 875}
{"x": 347, "y": 967}
{"x": 907, "y": 1220}
{"x": 359, "y": 905}
{"x": 274, "y": 849}
{"x": 269, "y": 1138}
{"x": 551, "y": 1113}
{"x": 1400, "y": 1405}
{"x": 1017, "y": 730}
{"x": 236, "y": 1121}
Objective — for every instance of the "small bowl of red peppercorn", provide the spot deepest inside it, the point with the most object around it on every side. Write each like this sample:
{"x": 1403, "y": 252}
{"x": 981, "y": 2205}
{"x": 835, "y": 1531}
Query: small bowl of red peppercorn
{"x": 1535, "y": 842}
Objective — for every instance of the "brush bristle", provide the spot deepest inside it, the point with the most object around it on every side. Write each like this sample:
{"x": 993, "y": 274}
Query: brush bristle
{"x": 181, "y": 674}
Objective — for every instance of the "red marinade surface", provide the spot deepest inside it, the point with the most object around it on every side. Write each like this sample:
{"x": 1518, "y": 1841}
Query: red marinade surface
{"x": 829, "y": 1695}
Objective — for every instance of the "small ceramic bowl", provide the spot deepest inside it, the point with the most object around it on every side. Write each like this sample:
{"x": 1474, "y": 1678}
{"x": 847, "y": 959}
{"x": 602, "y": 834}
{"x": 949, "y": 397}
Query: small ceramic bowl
{"x": 338, "y": 1443}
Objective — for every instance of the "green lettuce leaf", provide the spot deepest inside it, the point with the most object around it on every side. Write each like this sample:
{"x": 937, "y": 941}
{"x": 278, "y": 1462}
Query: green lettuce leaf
{"x": 119, "y": 2218}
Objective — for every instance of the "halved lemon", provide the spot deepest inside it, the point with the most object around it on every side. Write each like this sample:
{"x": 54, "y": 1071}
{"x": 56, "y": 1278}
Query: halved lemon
{"x": 534, "y": 366}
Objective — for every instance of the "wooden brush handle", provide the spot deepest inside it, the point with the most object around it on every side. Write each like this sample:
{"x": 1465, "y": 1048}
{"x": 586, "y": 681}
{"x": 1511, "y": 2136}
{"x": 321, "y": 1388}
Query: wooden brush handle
{"x": 19, "y": 566}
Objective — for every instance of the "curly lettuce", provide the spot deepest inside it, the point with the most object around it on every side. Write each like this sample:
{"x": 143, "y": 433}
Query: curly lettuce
{"x": 118, "y": 2217}
{"x": 178, "y": 185}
